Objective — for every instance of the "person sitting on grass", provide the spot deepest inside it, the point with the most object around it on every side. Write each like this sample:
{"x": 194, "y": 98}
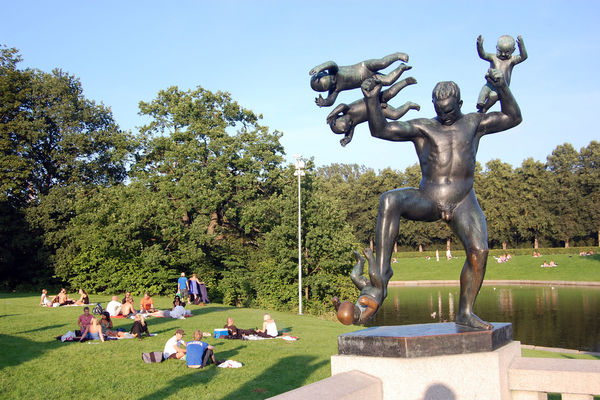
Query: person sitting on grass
{"x": 83, "y": 298}
{"x": 269, "y": 329}
{"x": 63, "y": 299}
{"x": 234, "y": 332}
{"x": 44, "y": 300}
{"x": 93, "y": 331}
{"x": 114, "y": 307}
{"x": 146, "y": 304}
{"x": 175, "y": 346}
{"x": 127, "y": 307}
{"x": 198, "y": 353}
{"x": 177, "y": 302}
{"x": 139, "y": 327}
{"x": 84, "y": 319}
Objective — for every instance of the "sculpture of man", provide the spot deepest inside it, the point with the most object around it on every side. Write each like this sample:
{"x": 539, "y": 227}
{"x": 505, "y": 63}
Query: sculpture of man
{"x": 446, "y": 146}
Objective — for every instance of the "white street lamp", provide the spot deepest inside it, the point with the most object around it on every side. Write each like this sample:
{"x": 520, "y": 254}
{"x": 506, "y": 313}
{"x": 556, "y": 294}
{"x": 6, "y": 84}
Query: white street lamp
{"x": 299, "y": 172}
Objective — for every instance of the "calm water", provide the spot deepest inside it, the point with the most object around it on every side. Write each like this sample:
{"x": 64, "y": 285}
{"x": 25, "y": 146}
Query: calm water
{"x": 563, "y": 317}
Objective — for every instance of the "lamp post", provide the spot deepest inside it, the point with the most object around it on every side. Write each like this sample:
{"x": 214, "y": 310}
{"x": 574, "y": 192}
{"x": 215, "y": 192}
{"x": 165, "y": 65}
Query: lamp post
{"x": 299, "y": 172}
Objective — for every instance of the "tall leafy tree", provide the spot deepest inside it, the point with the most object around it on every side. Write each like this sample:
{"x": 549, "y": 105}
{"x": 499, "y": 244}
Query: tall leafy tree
{"x": 566, "y": 206}
{"x": 498, "y": 195}
{"x": 51, "y": 138}
{"x": 589, "y": 181}
{"x": 533, "y": 181}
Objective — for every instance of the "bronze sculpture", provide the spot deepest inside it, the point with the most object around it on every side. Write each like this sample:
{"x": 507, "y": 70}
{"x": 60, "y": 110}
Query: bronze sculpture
{"x": 446, "y": 146}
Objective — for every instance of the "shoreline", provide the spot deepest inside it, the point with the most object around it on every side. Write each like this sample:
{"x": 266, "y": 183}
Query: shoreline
{"x": 495, "y": 282}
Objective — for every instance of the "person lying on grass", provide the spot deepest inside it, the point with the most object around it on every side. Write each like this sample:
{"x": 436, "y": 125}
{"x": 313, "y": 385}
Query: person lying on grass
{"x": 178, "y": 312}
{"x": 198, "y": 353}
{"x": 233, "y": 332}
{"x": 175, "y": 346}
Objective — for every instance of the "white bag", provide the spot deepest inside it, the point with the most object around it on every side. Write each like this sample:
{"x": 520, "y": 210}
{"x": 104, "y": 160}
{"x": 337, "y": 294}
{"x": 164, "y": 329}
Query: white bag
{"x": 69, "y": 336}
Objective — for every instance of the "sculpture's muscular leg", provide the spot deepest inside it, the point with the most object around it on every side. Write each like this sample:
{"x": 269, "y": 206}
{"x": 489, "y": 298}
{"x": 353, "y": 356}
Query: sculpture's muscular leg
{"x": 408, "y": 203}
{"x": 468, "y": 222}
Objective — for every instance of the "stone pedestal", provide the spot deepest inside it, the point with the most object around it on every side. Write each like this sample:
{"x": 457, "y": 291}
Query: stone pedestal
{"x": 431, "y": 361}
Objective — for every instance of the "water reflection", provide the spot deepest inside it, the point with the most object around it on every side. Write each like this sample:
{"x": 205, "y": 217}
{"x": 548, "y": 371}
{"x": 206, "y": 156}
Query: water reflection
{"x": 541, "y": 315}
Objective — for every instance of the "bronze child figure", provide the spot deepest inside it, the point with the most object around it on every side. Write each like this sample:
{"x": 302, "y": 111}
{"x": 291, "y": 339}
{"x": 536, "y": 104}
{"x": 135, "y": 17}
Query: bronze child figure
{"x": 331, "y": 78}
{"x": 344, "y": 117}
{"x": 502, "y": 60}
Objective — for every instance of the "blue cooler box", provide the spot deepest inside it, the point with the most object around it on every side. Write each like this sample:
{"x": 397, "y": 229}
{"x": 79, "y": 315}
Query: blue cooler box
{"x": 220, "y": 332}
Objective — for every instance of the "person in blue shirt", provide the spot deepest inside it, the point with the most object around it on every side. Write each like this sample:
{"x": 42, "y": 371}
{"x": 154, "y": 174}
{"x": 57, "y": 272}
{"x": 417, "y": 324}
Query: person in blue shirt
{"x": 199, "y": 353}
{"x": 183, "y": 286}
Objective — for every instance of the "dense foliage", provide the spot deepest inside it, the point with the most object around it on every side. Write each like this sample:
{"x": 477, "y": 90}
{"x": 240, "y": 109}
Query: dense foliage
{"x": 203, "y": 188}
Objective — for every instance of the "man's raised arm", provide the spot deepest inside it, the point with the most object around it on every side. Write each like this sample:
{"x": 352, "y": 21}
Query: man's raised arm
{"x": 510, "y": 114}
{"x": 380, "y": 128}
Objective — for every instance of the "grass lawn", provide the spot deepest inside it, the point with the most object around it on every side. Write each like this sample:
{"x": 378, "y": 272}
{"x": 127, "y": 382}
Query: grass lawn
{"x": 35, "y": 365}
{"x": 570, "y": 268}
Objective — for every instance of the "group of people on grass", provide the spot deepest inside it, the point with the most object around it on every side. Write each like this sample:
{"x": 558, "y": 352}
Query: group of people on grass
{"x": 198, "y": 353}
{"x": 503, "y": 258}
{"x": 193, "y": 289}
{"x": 62, "y": 299}
{"x": 92, "y": 328}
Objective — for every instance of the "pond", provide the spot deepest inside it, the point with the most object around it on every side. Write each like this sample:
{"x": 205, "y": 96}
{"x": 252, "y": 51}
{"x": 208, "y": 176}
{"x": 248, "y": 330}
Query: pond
{"x": 551, "y": 316}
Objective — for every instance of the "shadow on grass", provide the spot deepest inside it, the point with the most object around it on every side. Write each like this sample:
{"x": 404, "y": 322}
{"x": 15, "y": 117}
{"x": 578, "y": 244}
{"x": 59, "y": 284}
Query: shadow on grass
{"x": 43, "y": 328}
{"x": 17, "y": 350}
{"x": 286, "y": 374}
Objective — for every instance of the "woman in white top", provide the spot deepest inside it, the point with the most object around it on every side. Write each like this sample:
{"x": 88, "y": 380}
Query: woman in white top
{"x": 44, "y": 301}
{"x": 269, "y": 328}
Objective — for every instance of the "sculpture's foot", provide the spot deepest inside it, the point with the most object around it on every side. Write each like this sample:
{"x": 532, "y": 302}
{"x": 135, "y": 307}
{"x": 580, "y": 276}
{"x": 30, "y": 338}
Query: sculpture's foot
{"x": 413, "y": 106}
{"x": 346, "y": 139}
{"x": 472, "y": 322}
{"x": 402, "y": 56}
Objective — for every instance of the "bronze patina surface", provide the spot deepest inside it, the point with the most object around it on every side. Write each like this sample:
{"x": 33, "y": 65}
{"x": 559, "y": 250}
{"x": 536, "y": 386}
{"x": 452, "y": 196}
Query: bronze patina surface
{"x": 423, "y": 340}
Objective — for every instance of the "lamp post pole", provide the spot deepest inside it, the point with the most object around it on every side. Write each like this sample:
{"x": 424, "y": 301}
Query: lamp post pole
{"x": 299, "y": 172}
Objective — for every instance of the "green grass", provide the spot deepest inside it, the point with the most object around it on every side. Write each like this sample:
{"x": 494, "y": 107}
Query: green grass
{"x": 33, "y": 364}
{"x": 570, "y": 268}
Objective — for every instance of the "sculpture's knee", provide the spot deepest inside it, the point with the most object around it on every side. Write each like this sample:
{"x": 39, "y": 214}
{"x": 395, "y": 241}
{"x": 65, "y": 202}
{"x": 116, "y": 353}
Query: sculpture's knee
{"x": 389, "y": 201}
{"x": 478, "y": 255}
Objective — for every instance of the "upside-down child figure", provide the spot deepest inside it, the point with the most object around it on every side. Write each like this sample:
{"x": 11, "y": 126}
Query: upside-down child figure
{"x": 344, "y": 117}
{"x": 331, "y": 78}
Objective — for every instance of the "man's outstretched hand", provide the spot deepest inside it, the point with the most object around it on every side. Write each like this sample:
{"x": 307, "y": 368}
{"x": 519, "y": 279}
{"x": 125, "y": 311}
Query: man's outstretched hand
{"x": 371, "y": 86}
{"x": 495, "y": 77}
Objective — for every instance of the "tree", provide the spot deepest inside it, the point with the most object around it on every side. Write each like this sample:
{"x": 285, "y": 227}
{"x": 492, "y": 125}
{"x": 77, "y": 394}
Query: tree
{"x": 51, "y": 137}
{"x": 532, "y": 181}
{"x": 589, "y": 181}
{"x": 497, "y": 191}
{"x": 566, "y": 206}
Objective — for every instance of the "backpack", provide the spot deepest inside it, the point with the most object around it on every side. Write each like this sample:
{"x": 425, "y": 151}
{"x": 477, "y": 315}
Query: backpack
{"x": 97, "y": 309}
{"x": 152, "y": 357}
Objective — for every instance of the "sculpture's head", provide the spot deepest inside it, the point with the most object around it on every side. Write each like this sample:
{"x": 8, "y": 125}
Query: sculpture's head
{"x": 505, "y": 47}
{"x": 341, "y": 124}
{"x": 322, "y": 82}
{"x": 447, "y": 102}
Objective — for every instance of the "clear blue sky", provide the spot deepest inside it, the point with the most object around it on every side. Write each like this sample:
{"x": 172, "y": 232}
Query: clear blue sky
{"x": 261, "y": 52}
